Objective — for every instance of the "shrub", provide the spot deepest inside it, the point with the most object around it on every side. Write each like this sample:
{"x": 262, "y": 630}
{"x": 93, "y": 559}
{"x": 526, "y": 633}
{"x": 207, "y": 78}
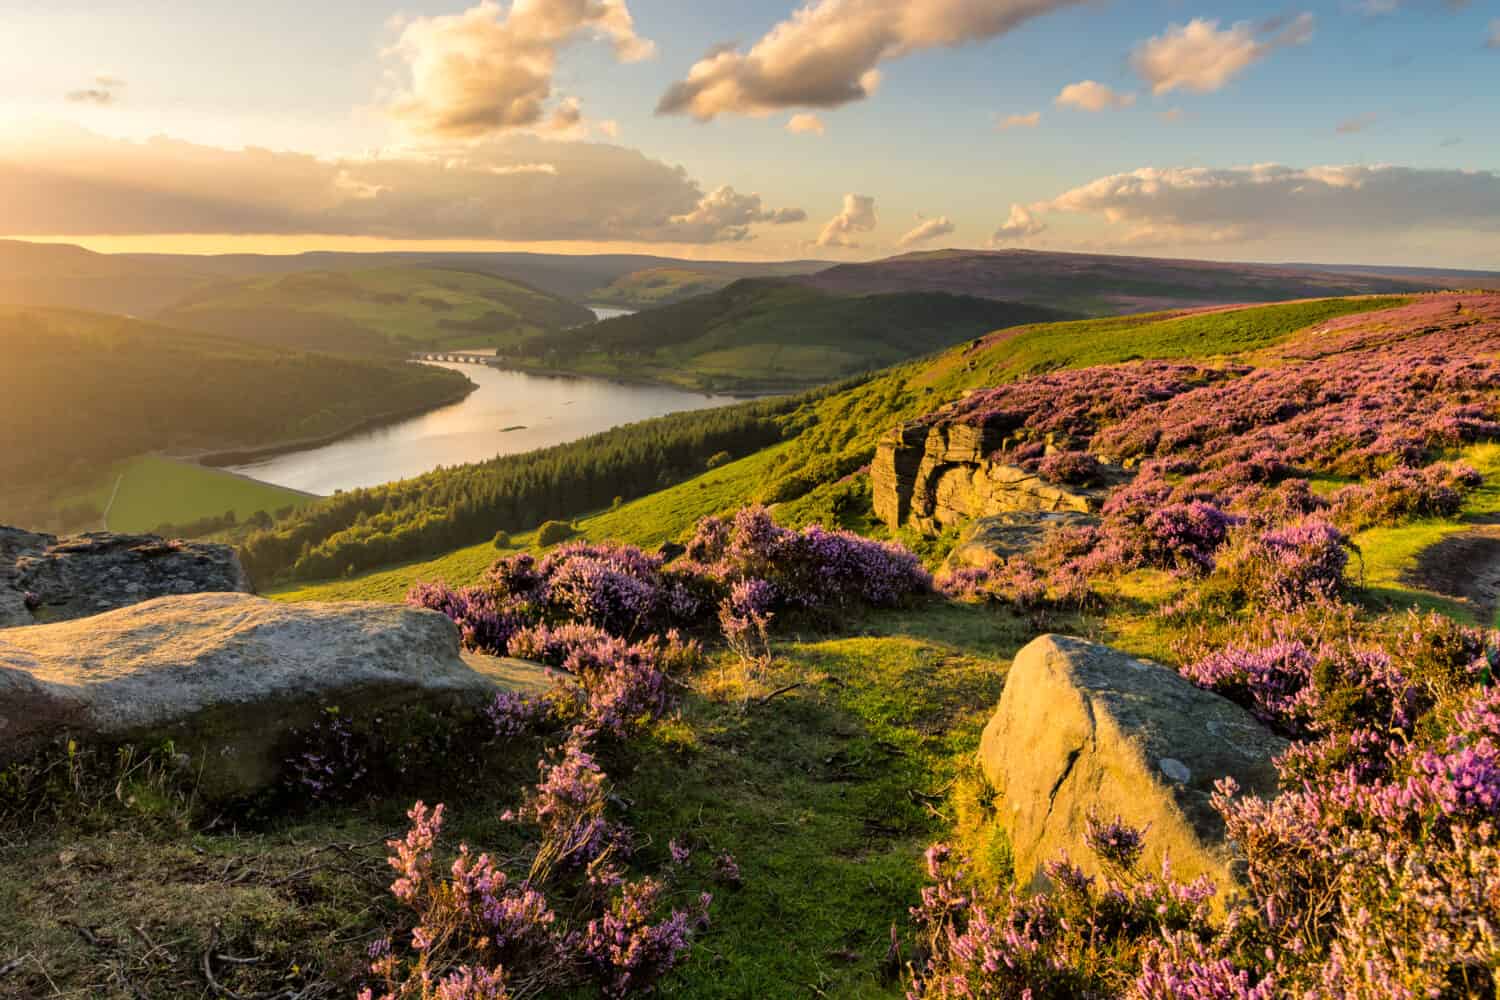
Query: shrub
{"x": 553, "y": 532}
{"x": 501, "y": 540}
{"x": 717, "y": 459}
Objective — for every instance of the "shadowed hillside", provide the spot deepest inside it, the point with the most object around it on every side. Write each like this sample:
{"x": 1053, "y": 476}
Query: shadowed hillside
{"x": 383, "y": 312}
{"x": 774, "y": 333}
{"x": 1103, "y": 285}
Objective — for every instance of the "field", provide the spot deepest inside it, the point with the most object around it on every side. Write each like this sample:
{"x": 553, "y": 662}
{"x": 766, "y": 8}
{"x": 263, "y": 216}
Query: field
{"x": 658, "y": 286}
{"x": 142, "y": 494}
{"x": 381, "y": 312}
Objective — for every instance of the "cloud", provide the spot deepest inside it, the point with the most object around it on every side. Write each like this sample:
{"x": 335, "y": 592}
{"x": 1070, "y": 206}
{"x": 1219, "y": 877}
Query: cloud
{"x": 725, "y": 215}
{"x": 858, "y": 216}
{"x": 104, "y": 91}
{"x": 1020, "y": 225}
{"x": 1493, "y": 42}
{"x": 489, "y": 70}
{"x": 829, "y": 52}
{"x": 804, "y": 124}
{"x": 1200, "y": 57}
{"x": 927, "y": 229}
{"x": 518, "y": 188}
{"x": 1375, "y": 8}
{"x": 1088, "y": 95}
{"x": 1356, "y": 124}
{"x": 1020, "y": 121}
{"x": 1236, "y": 204}
{"x": 1171, "y": 116}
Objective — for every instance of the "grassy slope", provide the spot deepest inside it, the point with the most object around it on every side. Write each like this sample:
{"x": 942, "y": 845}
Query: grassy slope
{"x": 154, "y": 490}
{"x": 758, "y": 333}
{"x": 381, "y": 311}
{"x": 658, "y": 286}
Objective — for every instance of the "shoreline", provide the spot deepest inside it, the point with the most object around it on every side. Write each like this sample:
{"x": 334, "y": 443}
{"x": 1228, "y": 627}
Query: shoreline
{"x": 244, "y": 456}
{"x": 737, "y": 392}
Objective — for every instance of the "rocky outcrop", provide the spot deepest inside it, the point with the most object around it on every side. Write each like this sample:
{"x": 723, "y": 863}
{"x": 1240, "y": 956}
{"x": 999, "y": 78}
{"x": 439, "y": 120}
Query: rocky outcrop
{"x": 1084, "y": 729}
{"x": 991, "y": 540}
{"x": 46, "y": 579}
{"x": 226, "y": 677}
{"x": 935, "y": 475}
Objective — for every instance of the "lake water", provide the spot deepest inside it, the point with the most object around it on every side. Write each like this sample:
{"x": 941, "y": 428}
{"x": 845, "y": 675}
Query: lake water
{"x": 510, "y": 412}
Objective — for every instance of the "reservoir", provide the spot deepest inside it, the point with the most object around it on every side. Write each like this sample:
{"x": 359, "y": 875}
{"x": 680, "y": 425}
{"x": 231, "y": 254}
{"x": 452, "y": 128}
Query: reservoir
{"x": 510, "y": 412}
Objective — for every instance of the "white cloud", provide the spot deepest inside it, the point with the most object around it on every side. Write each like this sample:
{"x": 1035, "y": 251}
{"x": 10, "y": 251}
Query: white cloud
{"x": 520, "y": 188}
{"x": 927, "y": 229}
{"x": 1218, "y": 205}
{"x": 1201, "y": 57}
{"x": 490, "y": 70}
{"x": 1020, "y": 121}
{"x": 1089, "y": 95}
{"x": 858, "y": 216}
{"x": 1020, "y": 225}
{"x": 806, "y": 124}
{"x": 829, "y": 52}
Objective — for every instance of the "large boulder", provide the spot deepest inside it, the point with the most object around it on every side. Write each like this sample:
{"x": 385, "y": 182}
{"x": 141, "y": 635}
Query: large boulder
{"x": 1084, "y": 729}
{"x": 227, "y": 677}
{"x": 933, "y": 475}
{"x": 46, "y": 579}
{"x": 989, "y": 541}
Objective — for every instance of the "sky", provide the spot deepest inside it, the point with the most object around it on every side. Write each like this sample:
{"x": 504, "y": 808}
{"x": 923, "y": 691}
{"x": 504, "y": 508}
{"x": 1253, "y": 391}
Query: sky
{"x": 1354, "y": 131}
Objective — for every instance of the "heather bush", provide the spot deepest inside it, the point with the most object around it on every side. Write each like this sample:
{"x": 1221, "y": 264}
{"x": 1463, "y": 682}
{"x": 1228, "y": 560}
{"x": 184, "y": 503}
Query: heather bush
{"x": 1284, "y": 567}
{"x": 1071, "y": 468}
{"x": 553, "y": 532}
{"x": 1403, "y": 494}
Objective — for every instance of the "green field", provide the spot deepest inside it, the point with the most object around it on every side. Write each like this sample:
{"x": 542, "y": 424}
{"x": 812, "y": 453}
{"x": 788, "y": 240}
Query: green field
{"x": 658, "y": 286}
{"x": 386, "y": 311}
{"x": 153, "y": 491}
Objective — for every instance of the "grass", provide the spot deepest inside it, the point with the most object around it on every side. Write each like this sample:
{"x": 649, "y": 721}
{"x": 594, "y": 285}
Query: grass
{"x": 825, "y": 795}
{"x": 381, "y": 311}
{"x": 1389, "y": 555}
{"x": 658, "y": 286}
{"x": 154, "y": 491}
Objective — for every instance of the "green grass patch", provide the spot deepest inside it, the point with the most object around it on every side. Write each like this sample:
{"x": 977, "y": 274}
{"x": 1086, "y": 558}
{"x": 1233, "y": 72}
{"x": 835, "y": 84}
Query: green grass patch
{"x": 154, "y": 491}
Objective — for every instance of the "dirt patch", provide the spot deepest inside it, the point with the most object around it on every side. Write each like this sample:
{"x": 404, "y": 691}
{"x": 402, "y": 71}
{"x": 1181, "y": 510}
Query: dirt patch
{"x": 1464, "y": 567}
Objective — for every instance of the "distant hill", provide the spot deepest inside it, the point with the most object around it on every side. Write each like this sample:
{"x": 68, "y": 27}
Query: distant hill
{"x": 141, "y": 284}
{"x": 1103, "y": 285}
{"x": 380, "y": 312}
{"x": 659, "y": 286}
{"x": 42, "y": 274}
{"x": 774, "y": 333}
{"x": 81, "y": 391}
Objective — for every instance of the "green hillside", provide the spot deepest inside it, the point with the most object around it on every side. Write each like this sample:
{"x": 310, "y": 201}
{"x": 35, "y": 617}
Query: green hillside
{"x": 770, "y": 333}
{"x": 82, "y": 391}
{"x": 824, "y": 436}
{"x": 379, "y": 312}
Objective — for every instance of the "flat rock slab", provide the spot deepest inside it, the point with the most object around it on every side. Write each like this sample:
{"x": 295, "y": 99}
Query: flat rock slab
{"x": 227, "y": 677}
{"x": 47, "y": 579}
{"x": 992, "y": 540}
{"x": 1083, "y": 728}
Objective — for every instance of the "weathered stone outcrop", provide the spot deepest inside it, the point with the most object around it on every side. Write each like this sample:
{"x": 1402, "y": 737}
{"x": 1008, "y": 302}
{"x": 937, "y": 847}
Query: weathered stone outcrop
{"x": 991, "y": 540}
{"x": 935, "y": 475}
{"x": 227, "y": 677}
{"x": 1082, "y": 728}
{"x": 46, "y": 579}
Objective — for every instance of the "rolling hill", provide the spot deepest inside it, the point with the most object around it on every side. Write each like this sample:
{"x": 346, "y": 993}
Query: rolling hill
{"x": 379, "y": 312}
{"x": 1104, "y": 285}
{"x": 763, "y": 333}
{"x": 659, "y": 286}
{"x": 80, "y": 392}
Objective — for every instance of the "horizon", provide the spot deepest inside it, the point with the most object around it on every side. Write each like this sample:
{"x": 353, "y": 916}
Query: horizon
{"x": 1334, "y": 131}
